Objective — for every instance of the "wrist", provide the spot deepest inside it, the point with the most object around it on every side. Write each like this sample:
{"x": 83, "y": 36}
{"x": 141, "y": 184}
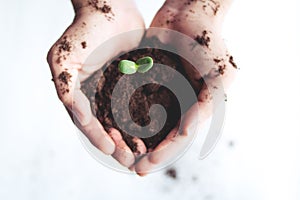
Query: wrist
{"x": 102, "y": 5}
{"x": 77, "y": 4}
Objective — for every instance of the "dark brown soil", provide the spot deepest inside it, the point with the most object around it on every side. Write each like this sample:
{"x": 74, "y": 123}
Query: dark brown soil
{"x": 232, "y": 62}
{"x": 96, "y": 4}
{"x": 99, "y": 88}
{"x": 64, "y": 45}
{"x": 172, "y": 173}
{"x": 65, "y": 77}
{"x": 204, "y": 39}
{"x": 83, "y": 44}
{"x": 103, "y": 8}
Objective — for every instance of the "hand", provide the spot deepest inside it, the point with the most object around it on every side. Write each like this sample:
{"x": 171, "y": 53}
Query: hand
{"x": 202, "y": 21}
{"x": 94, "y": 23}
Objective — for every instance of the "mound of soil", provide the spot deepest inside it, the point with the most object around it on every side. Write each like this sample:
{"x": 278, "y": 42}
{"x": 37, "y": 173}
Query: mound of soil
{"x": 99, "y": 87}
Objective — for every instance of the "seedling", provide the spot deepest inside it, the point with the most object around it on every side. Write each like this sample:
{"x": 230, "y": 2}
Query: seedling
{"x": 142, "y": 65}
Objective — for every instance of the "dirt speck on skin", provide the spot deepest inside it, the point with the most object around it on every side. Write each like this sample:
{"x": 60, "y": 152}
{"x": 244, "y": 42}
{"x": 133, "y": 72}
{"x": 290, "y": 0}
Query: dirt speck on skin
{"x": 94, "y": 3}
{"x": 231, "y": 61}
{"x": 216, "y": 60}
{"x": 83, "y": 44}
{"x": 221, "y": 69}
{"x": 58, "y": 60}
{"x": 65, "y": 77}
{"x": 172, "y": 173}
{"x": 105, "y": 9}
{"x": 212, "y": 4}
{"x": 189, "y": 2}
{"x": 102, "y": 7}
{"x": 64, "y": 45}
{"x": 203, "y": 40}
{"x": 215, "y": 7}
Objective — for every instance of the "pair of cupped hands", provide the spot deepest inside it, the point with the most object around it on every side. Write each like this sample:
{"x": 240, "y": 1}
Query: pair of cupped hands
{"x": 93, "y": 25}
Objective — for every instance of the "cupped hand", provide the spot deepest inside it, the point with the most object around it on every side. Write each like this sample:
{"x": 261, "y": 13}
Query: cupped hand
{"x": 202, "y": 21}
{"x": 95, "y": 22}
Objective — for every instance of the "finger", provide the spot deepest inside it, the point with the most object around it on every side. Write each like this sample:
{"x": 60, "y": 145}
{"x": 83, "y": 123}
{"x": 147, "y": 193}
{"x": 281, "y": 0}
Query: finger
{"x": 132, "y": 168}
{"x": 139, "y": 156}
{"x": 122, "y": 152}
{"x": 97, "y": 136}
{"x": 86, "y": 121}
{"x": 150, "y": 162}
{"x": 140, "y": 147}
{"x": 209, "y": 98}
{"x": 96, "y": 140}
{"x": 172, "y": 147}
{"x": 144, "y": 166}
{"x": 68, "y": 89}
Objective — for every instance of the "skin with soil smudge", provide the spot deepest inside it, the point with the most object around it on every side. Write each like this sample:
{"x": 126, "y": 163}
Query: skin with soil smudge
{"x": 203, "y": 40}
{"x": 102, "y": 7}
{"x": 64, "y": 79}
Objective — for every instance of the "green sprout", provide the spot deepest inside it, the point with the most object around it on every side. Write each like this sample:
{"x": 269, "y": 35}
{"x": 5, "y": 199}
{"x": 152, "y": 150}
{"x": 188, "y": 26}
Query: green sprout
{"x": 142, "y": 65}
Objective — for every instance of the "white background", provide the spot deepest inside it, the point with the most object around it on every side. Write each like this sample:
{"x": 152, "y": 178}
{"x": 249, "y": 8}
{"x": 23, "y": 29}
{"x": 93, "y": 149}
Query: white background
{"x": 41, "y": 156}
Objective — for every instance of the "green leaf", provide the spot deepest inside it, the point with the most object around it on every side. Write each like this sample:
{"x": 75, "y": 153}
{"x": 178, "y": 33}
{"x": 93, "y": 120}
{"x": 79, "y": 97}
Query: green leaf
{"x": 127, "y": 67}
{"x": 144, "y": 64}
